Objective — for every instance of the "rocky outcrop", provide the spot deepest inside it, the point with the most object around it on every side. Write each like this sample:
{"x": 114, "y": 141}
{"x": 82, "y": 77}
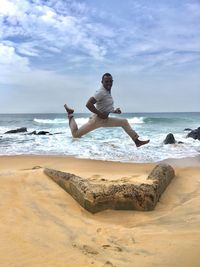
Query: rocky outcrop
{"x": 19, "y": 130}
{"x": 96, "y": 197}
{"x": 24, "y": 130}
{"x": 169, "y": 139}
{"x": 195, "y": 134}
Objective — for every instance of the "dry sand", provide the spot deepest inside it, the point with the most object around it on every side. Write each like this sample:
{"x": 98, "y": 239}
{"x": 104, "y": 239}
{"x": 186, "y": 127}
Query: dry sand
{"x": 41, "y": 225}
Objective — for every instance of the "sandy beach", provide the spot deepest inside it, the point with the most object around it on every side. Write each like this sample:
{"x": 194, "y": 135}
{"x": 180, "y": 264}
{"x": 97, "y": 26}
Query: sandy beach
{"x": 42, "y": 225}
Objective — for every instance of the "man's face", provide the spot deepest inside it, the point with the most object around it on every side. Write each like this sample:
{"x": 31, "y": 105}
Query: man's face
{"x": 107, "y": 82}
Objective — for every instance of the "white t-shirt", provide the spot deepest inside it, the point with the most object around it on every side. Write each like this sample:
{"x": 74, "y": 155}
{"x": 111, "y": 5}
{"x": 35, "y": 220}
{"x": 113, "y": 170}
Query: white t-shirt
{"x": 104, "y": 100}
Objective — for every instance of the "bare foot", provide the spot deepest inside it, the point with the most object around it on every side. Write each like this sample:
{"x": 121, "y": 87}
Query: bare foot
{"x": 69, "y": 110}
{"x": 141, "y": 143}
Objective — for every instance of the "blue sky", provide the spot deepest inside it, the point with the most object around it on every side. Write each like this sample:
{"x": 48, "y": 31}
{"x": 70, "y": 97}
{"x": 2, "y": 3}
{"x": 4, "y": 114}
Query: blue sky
{"x": 56, "y": 51}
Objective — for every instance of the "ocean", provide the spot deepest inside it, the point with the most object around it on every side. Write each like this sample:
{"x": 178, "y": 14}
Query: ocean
{"x": 104, "y": 143}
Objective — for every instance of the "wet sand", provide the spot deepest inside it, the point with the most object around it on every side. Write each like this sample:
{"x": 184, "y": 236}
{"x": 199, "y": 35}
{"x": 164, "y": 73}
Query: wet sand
{"x": 41, "y": 225}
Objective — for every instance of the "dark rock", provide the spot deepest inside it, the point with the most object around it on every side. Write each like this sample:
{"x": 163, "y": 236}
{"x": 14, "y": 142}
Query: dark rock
{"x": 40, "y": 133}
{"x": 43, "y": 133}
{"x": 59, "y": 133}
{"x": 187, "y": 129}
{"x": 96, "y": 197}
{"x": 180, "y": 142}
{"x": 34, "y": 132}
{"x": 195, "y": 134}
{"x": 169, "y": 139}
{"x": 19, "y": 130}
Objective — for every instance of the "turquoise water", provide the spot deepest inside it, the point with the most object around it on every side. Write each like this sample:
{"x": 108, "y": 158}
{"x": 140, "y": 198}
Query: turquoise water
{"x": 105, "y": 143}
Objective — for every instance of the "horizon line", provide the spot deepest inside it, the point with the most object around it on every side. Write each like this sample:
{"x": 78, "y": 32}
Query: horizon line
{"x": 91, "y": 112}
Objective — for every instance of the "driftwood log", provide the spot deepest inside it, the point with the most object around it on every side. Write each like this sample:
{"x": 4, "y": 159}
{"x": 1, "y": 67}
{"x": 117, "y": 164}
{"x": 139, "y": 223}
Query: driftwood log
{"x": 128, "y": 196}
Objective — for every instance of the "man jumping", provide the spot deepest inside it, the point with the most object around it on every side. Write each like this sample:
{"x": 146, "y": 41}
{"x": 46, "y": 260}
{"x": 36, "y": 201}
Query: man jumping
{"x": 100, "y": 118}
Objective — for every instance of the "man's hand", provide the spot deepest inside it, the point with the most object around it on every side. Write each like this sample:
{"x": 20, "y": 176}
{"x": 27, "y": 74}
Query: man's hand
{"x": 118, "y": 111}
{"x": 103, "y": 115}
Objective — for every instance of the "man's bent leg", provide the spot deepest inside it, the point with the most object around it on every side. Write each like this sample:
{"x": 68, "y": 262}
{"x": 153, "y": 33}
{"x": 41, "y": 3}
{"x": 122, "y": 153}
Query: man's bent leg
{"x": 72, "y": 125}
{"x": 84, "y": 129}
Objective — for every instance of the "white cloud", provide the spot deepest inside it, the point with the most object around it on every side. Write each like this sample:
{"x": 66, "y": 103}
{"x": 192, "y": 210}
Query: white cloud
{"x": 57, "y": 26}
{"x": 11, "y": 64}
{"x": 49, "y": 27}
{"x": 158, "y": 28}
{"x": 79, "y": 40}
{"x": 7, "y": 8}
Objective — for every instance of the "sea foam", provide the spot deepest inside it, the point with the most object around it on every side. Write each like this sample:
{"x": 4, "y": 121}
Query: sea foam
{"x": 103, "y": 143}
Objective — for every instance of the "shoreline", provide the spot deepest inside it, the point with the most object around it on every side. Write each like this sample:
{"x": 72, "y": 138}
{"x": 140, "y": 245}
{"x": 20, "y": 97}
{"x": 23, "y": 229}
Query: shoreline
{"x": 42, "y": 225}
{"x": 175, "y": 162}
{"x": 183, "y": 162}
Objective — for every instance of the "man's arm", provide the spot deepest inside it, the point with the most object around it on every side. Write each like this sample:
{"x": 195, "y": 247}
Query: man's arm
{"x": 90, "y": 105}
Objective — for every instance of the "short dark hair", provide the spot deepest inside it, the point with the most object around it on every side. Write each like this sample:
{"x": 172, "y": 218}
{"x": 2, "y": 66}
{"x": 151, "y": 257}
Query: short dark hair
{"x": 106, "y": 74}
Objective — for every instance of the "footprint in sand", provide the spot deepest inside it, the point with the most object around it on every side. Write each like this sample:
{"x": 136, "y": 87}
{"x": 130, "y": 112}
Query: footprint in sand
{"x": 86, "y": 249}
{"x": 116, "y": 248}
{"x": 108, "y": 264}
{"x": 89, "y": 250}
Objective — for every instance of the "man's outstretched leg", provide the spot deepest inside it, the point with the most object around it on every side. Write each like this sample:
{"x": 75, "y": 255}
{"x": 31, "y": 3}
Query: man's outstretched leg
{"x": 120, "y": 122}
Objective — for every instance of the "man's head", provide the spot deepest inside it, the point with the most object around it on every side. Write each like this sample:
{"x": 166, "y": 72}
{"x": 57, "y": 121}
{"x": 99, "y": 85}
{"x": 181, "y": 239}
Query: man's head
{"x": 107, "y": 81}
